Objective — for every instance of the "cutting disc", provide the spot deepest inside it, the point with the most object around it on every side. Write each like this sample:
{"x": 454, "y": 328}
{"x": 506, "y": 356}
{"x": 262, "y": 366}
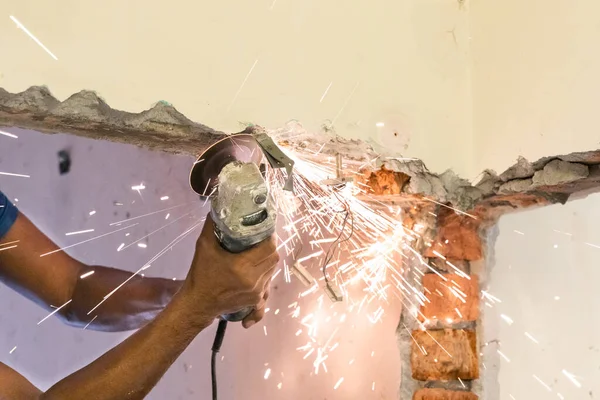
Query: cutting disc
{"x": 206, "y": 169}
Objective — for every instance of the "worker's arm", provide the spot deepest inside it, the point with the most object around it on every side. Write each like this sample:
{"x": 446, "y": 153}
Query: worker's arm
{"x": 54, "y": 279}
{"x": 218, "y": 283}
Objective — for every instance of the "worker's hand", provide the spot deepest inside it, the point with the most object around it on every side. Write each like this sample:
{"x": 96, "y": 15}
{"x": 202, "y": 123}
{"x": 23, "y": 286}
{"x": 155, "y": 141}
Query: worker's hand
{"x": 220, "y": 282}
{"x": 259, "y": 310}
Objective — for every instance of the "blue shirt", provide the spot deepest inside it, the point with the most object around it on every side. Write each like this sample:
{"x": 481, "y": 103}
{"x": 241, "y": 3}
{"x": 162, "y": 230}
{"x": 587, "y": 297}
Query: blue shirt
{"x": 8, "y": 215}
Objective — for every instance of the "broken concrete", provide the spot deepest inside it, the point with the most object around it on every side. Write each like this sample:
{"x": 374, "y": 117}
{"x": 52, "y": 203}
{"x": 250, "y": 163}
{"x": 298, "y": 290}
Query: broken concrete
{"x": 558, "y": 171}
{"x": 516, "y": 186}
{"x": 522, "y": 169}
{"x": 161, "y": 127}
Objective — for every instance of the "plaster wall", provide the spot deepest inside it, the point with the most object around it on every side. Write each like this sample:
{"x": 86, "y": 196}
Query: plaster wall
{"x": 400, "y": 63}
{"x": 545, "y": 275}
{"x": 535, "y": 86}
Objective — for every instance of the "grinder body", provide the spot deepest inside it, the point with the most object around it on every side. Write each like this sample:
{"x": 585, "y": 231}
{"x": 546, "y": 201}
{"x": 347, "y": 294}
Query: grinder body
{"x": 242, "y": 211}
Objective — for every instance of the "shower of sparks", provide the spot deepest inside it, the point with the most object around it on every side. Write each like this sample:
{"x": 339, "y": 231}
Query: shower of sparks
{"x": 85, "y": 241}
{"x": 242, "y": 85}
{"x": 149, "y": 214}
{"x": 92, "y": 213}
{"x": 78, "y": 232}
{"x": 54, "y": 312}
{"x": 16, "y": 175}
{"x": 149, "y": 263}
{"x": 456, "y": 210}
{"x": 519, "y": 232}
{"x": 563, "y": 233}
{"x": 88, "y": 324}
{"x": 488, "y": 296}
{"x": 10, "y": 135}
{"x": 361, "y": 249}
{"x": 8, "y": 248}
{"x": 338, "y": 383}
{"x": 12, "y": 350}
{"x": 592, "y": 245}
{"x": 531, "y": 338}
{"x": 142, "y": 245}
{"x": 571, "y": 377}
{"x": 507, "y": 319}
{"x": 22, "y": 27}
{"x": 544, "y": 384}
{"x": 503, "y": 356}
{"x": 138, "y": 187}
{"x": 89, "y": 273}
{"x": 164, "y": 198}
{"x": 345, "y": 104}
{"x": 326, "y": 91}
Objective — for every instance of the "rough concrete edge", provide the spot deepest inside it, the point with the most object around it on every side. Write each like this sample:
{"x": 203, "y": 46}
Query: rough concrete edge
{"x": 163, "y": 128}
{"x": 487, "y": 386}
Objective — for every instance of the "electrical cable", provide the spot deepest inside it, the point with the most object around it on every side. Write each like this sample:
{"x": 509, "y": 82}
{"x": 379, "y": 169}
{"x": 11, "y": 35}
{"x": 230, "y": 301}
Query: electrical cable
{"x": 339, "y": 239}
{"x": 216, "y": 347}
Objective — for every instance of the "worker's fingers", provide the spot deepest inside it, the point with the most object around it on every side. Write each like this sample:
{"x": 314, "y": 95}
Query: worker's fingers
{"x": 253, "y": 318}
{"x": 258, "y": 313}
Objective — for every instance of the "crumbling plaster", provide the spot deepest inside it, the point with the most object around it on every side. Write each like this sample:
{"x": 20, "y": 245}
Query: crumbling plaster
{"x": 464, "y": 213}
{"x": 548, "y": 180}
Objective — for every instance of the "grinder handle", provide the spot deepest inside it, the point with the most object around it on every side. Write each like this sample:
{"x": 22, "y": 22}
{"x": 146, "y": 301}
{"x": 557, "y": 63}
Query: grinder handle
{"x": 233, "y": 247}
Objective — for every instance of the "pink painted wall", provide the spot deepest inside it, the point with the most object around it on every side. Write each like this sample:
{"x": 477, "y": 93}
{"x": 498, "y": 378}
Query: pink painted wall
{"x": 102, "y": 174}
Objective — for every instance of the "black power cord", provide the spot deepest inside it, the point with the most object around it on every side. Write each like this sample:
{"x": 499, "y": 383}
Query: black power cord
{"x": 215, "y": 350}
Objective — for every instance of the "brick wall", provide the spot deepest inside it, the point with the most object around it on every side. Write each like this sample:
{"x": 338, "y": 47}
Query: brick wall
{"x": 438, "y": 331}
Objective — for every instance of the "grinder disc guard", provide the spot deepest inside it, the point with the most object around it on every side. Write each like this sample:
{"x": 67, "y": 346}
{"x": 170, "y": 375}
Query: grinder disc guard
{"x": 205, "y": 172}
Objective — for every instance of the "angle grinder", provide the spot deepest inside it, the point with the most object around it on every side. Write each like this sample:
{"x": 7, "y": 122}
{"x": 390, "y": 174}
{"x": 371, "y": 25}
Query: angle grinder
{"x": 242, "y": 208}
{"x": 228, "y": 175}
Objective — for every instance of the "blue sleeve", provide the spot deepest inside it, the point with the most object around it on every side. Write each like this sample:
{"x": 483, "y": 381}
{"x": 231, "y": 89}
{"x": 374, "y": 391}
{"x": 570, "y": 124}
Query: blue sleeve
{"x": 8, "y": 215}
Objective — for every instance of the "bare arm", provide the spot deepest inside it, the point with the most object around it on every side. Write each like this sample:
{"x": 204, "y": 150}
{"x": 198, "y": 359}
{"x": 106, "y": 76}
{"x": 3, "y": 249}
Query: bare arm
{"x": 55, "y": 279}
{"x": 218, "y": 283}
{"x": 130, "y": 370}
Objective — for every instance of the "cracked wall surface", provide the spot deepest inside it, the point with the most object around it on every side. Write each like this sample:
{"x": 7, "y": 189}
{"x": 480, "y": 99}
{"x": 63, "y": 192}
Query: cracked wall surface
{"x": 457, "y": 216}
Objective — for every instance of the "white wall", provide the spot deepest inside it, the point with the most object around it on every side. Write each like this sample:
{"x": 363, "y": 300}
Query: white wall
{"x": 547, "y": 279}
{"x": 103, "y": 173}
{"x": 535, "y": 80}
{"x": 408, "y": 57}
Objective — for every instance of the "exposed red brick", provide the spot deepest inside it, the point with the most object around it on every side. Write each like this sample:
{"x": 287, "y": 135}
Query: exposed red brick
{"x": 443, "y": 394}
{"x": 441, "y": 265}
{"x": 444, "y": 355}
{"x": 457, "y": 237}
{"x": 447, "y": 296}
{"x": 384, "y": 181}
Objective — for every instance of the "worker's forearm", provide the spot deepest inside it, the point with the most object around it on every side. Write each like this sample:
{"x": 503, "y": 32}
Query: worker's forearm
{"x": 131, "y": 307}
{"x": 130, "y": 370}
